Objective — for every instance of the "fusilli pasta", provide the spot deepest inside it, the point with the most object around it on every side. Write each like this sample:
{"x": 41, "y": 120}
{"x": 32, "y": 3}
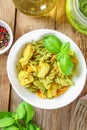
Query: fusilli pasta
{"x": 39, "y": 71}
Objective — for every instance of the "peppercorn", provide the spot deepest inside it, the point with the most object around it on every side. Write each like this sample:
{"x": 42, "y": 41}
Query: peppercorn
{"x": 4, "y": 37}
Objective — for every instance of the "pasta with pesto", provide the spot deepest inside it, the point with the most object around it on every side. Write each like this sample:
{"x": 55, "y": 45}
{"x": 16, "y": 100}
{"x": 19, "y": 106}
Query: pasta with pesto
{"x": 40, "y": 73}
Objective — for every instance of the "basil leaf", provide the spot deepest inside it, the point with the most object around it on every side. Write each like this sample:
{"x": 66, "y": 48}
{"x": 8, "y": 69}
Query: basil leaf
{"x": 65, "y": 48}
{"x": 52, "y": 43}
{"x": 20, "y": 124}
{"x": 36, "y": 128}
{"x": 25, "y": 111}
{"x": 66, "y": 64}
{"x": 59, "y": 56}
{"x": 6, "y": 114}
{"x": 13, "y": 127}
{"x": 6, "y": 121}
{"x": 20, "y": 112}
{"x": 30, "y": 126}
{"x": 29, "y": 112}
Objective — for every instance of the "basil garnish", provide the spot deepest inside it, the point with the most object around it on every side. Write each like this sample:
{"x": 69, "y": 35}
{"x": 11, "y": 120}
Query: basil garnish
{"x": 54, "y": 45}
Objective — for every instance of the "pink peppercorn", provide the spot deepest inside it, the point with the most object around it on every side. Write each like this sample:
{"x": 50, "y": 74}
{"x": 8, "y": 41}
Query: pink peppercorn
{"x": 4, "y": 37}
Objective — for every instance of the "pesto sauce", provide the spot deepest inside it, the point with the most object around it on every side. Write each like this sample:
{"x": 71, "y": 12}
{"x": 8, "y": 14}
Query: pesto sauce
{"x": 83, "y": 7}
{"x": 73, "y": 20}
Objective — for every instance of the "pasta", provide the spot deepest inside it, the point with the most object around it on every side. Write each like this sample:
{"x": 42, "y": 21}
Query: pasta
{"x": 40, "y": 73}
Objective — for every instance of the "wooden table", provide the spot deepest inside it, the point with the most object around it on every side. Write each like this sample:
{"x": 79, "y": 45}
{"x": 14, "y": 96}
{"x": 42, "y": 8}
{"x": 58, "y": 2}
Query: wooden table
{"x": 58, "y": 119}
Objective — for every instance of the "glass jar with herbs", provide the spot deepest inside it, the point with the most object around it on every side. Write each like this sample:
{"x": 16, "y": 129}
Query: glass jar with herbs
{"x": 76, "y": 11}
{"x": 35, "y": 7}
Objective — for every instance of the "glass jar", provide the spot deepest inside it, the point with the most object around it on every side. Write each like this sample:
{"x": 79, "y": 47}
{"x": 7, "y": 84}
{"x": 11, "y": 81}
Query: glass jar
{"x": 75, "y": 16}
{"x": 35, "y": 7}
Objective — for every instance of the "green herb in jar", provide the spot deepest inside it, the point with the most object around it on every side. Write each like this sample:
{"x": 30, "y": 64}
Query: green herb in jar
{"x": 75, "y": 15}
{"x": 83, "y": 7}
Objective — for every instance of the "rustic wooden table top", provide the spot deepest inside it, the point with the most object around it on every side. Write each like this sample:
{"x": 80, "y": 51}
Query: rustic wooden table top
{"x": 58, "y": 119}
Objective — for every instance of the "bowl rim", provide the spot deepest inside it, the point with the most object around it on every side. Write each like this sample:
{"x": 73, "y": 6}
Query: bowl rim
{"x": 4, "y": 24}
{"x": 45, "y": 105}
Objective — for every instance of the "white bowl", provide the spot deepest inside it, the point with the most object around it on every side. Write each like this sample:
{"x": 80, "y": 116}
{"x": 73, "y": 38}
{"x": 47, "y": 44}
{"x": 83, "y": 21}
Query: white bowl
{"x": 2, "y": 23}
{"x": 33, "y": 99}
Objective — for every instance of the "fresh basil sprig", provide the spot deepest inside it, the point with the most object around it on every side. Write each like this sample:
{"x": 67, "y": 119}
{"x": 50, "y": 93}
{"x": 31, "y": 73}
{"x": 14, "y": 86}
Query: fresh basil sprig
{"x": 54, "y": 45}
{"x": 21, "y": 119}
{"x": 65, "y": 48}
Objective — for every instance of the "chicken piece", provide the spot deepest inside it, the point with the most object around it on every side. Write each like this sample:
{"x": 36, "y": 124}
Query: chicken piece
{"x": 27, "y": 54}
{"x": 43, "y": 69}
{"x": 25, "y": 78}
{"x": 52, "y": 90}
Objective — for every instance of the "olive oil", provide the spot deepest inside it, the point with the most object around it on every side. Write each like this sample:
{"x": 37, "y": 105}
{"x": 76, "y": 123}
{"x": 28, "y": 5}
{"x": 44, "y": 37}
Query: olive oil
{"x": 35, "y": 7}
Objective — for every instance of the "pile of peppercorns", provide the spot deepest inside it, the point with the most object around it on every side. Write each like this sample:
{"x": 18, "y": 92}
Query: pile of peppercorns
{"x": 4, "y": 37}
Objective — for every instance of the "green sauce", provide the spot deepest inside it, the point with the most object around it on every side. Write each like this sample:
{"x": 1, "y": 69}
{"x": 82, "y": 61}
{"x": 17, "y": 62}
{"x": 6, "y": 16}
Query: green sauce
{"x": 83, "y": 7}
{"x": 73, "y": 19}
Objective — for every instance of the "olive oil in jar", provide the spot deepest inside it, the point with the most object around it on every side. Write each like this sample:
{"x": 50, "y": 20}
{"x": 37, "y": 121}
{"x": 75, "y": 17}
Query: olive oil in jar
{"x": 35, "y": 7}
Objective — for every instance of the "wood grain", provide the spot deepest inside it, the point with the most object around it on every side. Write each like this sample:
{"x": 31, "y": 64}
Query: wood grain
{"x": 79, "y": 118}
{"x": 57, "y": 119}
{"x": 7, "y": 13}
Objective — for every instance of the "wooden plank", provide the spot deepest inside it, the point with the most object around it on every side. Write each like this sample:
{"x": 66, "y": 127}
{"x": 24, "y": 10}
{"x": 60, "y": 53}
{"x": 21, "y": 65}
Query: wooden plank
{"x": 78, "y": 121}
{"x": 7, "y": 13}
{"x": 27, "y": 23}
{"x": 47, "y": 119}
